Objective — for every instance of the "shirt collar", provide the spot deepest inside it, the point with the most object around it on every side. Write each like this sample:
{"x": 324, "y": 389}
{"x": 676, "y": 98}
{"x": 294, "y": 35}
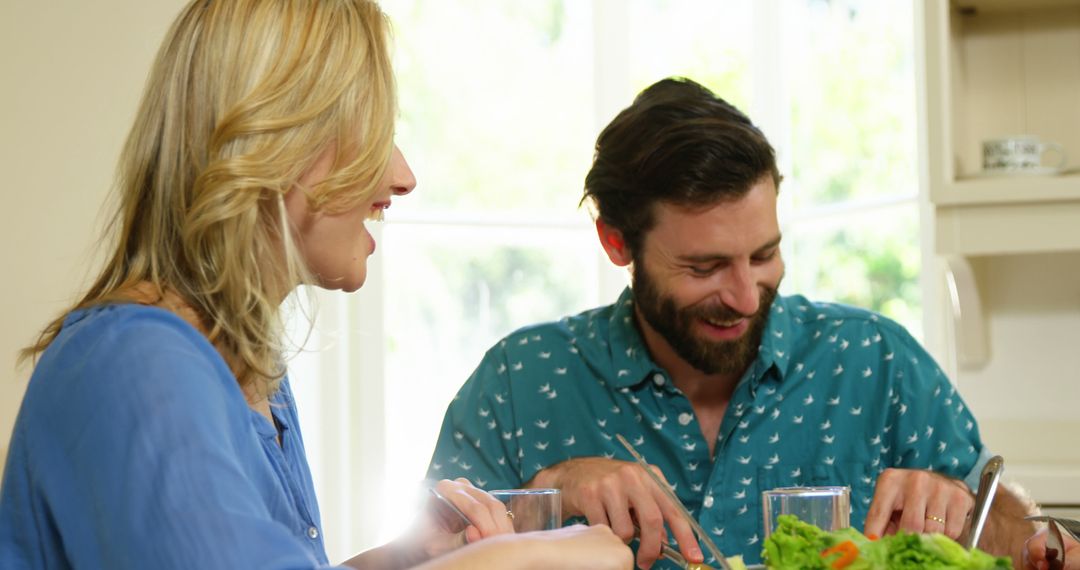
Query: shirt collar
{"x": 629, "y": 355}
{"x": 774, "y": 353}
{"x": 632, "y": 363}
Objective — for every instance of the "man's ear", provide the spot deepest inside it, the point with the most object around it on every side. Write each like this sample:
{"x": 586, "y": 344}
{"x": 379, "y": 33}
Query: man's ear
{"x": 613, "y": 243}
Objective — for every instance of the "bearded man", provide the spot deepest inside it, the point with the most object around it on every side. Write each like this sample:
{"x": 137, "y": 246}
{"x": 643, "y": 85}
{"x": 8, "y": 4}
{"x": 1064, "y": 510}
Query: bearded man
{"x": 725, "y": 387}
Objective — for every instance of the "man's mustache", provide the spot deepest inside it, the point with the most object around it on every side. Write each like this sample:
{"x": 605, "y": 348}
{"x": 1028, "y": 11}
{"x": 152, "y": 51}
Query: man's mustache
{"x": 724, "y": 313}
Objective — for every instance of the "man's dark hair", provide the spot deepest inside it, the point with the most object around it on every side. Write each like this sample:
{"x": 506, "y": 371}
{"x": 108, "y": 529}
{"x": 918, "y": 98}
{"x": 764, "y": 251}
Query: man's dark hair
{"x": 677, "y": 143}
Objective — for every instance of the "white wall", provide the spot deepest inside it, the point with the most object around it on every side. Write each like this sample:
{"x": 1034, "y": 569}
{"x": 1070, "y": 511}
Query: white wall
{"x": 1026, "y": 397}
{"x": 71, "y": 74}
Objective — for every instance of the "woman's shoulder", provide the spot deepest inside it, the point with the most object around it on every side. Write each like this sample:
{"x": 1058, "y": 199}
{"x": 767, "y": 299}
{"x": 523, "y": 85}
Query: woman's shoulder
{"x": 106, "y": 331}
{"x": 127, "y": 369}
{"x": 128, "y": 351}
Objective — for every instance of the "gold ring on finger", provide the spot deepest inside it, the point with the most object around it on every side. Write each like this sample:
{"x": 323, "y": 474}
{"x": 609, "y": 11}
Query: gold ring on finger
{"x": 935, "y": 519}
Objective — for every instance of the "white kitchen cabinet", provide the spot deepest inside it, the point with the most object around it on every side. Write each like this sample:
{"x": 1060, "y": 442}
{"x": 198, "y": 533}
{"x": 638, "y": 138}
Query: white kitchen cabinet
{"x": 1010, "y": 245}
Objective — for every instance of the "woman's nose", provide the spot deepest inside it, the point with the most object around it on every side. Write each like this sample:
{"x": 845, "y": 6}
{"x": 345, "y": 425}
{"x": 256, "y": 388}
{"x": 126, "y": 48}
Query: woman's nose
{"x": 402, "y": 180}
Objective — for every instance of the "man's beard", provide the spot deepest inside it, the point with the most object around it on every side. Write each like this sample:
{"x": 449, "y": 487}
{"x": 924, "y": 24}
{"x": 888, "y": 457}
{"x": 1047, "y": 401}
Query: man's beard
{"x": 676, "y": 325}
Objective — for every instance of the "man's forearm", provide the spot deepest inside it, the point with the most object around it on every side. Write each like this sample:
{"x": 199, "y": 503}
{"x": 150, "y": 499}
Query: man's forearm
{"x": 1006, "y": 530}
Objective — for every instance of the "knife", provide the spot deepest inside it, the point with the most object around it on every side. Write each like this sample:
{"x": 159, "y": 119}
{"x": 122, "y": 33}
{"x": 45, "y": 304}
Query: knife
{"x": 700, "y": 532}
{"x": 449, "y": 516}
{"x": 988, "y": 484}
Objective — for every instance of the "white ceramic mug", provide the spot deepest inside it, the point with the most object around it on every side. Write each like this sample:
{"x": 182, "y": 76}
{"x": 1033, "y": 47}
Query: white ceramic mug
{"x": 1023, "y": 153}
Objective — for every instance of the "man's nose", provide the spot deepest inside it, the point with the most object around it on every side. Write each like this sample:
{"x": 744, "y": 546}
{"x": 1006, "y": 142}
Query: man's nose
{"x": 740, "y": 291}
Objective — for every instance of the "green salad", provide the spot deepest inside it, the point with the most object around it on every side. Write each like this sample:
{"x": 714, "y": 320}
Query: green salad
{"x": 798, "y": 545}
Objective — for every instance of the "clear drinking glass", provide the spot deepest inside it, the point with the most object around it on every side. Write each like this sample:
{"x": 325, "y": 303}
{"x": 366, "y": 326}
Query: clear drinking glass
{"x": 828, "y": 508}
{"x": 532, "y": 509}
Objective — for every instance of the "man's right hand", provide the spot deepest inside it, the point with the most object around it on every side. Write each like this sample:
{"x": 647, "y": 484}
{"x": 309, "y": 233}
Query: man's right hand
{"x": 620, "y": 494}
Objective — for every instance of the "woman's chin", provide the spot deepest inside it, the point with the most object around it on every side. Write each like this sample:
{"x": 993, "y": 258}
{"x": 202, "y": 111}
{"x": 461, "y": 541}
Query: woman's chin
{"x": 353, "y": 288}
{"x": 347, "y": 284}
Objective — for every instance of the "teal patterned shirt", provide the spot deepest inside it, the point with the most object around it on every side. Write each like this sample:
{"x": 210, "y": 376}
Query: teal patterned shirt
{"x": 835, "y": 396}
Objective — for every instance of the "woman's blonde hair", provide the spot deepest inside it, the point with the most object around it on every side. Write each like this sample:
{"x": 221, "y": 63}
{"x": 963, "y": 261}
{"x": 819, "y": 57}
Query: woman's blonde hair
{"x": 242, "y": 98}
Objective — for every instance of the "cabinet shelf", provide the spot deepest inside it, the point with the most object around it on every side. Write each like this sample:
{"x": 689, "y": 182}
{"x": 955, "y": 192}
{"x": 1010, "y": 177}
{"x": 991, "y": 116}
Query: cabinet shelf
{"x": 999, "y": 68}
{"x": 1008, "y": 228}
{"x": 1007, "y": 190}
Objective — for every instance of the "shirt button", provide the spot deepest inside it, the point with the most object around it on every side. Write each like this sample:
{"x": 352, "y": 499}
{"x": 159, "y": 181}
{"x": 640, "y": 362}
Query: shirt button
{"x": 658, "y": 379}
{"x": 708, "y": 501}
{"x": 313, "y": 533}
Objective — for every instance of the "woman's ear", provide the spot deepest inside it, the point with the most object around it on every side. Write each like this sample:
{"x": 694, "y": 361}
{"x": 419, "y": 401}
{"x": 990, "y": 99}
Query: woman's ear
{"x": 613, "y": 243}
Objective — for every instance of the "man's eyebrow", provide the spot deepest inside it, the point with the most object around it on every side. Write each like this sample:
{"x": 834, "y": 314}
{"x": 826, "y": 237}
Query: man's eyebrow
{"x": 708, "y": 257}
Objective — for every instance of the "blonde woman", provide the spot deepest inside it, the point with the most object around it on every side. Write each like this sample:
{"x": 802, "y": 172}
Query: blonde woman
{"x": 158, "y": 429}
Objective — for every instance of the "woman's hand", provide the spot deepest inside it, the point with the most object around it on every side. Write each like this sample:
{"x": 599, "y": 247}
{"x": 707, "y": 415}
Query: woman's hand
{"x": 434, "y": 547}
{"x": 435, "y": 534}
{"x": 1034, "y": 552}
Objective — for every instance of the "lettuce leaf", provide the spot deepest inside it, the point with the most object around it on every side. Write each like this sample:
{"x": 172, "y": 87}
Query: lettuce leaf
{"x": 796, "y": 545}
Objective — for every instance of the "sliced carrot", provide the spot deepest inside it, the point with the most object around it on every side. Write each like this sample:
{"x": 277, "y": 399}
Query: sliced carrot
{"x": 848, "y": 553}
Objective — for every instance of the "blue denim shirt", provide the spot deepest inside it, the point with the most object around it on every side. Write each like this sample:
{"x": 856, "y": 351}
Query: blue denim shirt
{"x": 835, "y": 396}
{"x": 135, "y": 448}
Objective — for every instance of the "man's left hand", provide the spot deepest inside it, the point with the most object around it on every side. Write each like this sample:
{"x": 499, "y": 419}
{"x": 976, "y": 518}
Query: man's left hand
{"x": 919, "y": 501}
